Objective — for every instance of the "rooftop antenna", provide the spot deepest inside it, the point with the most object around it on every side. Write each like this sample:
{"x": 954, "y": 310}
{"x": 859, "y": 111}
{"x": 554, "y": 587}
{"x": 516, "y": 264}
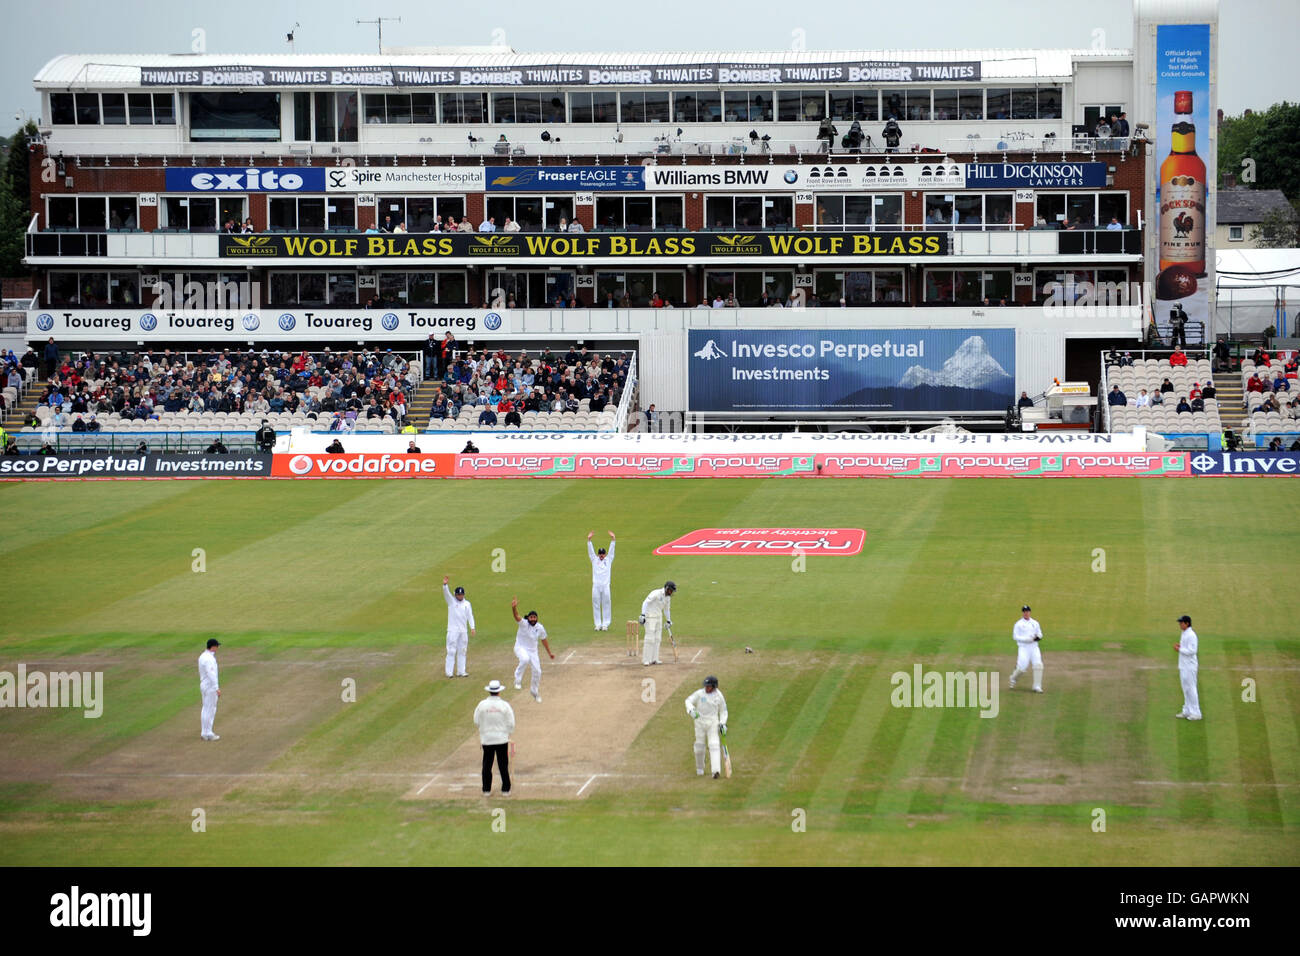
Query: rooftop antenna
{"x": 379, "y": 25}
{"x": 289, "y": 37}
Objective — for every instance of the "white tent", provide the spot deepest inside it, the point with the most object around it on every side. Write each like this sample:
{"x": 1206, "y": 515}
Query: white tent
{"x": 1256, "y": 288}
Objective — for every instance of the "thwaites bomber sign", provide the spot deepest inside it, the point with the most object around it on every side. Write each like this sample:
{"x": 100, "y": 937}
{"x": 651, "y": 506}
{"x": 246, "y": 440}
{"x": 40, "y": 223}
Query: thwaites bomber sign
{"x": 512, "y": 73}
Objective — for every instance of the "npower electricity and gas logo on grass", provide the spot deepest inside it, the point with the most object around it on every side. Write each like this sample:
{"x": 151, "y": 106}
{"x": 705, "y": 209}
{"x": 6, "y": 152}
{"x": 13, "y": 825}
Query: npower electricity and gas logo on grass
{"x": 835, "y": 542}
{"x": 363, "y": 465}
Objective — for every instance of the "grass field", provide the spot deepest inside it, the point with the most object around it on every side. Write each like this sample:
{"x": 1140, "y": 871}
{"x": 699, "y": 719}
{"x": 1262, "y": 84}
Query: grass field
{"x": 312, "y": 583}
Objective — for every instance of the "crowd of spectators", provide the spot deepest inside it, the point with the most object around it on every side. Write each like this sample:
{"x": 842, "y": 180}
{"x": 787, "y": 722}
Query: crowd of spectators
{"x": 504, "y": 387}
{"x": 144, "y": 386}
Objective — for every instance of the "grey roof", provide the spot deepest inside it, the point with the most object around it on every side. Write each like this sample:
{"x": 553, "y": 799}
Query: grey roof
{"x": 1240, "y": 205}
{"x": 116, "y": 70}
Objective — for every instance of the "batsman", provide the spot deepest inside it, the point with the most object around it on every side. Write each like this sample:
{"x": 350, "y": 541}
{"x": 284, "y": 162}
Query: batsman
{"x": 656, "y": 611}
{"x": 708, "y": 708}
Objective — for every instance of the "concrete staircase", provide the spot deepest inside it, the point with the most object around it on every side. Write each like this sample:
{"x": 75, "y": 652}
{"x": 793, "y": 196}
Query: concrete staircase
{"x": 422, "y": 402}
{"x": 1232, "y": 403}
{"x": 14, "y": 417}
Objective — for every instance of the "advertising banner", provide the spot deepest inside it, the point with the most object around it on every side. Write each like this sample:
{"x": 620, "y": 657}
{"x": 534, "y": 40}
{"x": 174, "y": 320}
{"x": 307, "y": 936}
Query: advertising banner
{"x": 739, "y": 465}
{"x": 1035, "y": 175}
{"x": 128, "y": 465}
{"x": 650, "y": 73}
{"x": 576, "y": 248}
{"x": 252, "y": 179}
{"x": 800, "y": 370}
{"x": 264, "y": 325}
{"x": 939, "y": 174}
{"x": 403, "y": 179}
{"x": 1182, "y": 145}
{"x": 592, "y": 179}
{"x": 1246, "y": 463}
{"x": 822, "y": 542}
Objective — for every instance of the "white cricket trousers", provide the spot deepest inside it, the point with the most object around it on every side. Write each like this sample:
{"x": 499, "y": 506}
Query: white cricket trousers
{"x": 529, "y": 659}
{"x": 600, "y": 605}
{"x": 208, "y": 713}
{"x": 457, "y": 647}
{"x": 1027, "y": 656}
{"x": 706, "y": 732}
{"x": 1191, "y": 699}
{"x": 654, "y": 632}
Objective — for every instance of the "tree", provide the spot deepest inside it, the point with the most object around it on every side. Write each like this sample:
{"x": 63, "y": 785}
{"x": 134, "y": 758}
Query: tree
{"x": 1279, "y": 229}
{"x": 1235, "y": 134}
{"x": 1271, "y": 145}
{"x": 17, "y": 169}
{"x": 13, "y": 223}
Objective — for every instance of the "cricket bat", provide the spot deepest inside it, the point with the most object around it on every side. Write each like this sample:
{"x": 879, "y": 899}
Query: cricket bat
{"x": 673, "y": 642}
{"x": 726, "y": 755}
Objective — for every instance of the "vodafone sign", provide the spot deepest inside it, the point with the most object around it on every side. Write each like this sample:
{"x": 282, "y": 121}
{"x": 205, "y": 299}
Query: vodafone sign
{"x": 363, "y": 466}
{"x": 833, "y": 542}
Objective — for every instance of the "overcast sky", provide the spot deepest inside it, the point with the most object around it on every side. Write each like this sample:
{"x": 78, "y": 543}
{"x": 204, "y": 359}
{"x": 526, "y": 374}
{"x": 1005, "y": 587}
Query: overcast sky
{"x": 1256, "y": 41}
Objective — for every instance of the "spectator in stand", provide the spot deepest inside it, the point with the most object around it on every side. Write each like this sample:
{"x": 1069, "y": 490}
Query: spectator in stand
{"x": 432, "y": 350}
{"x": 1195, "y": 392}
{"x": 487, "y": 417}
{"x": 1183, "y": 405}
{"x": 1266, "y": 406}
{"x": 1116, "y": 397}
{"x": 439, "y": 410}
{"x": 718, "y": 301}
{"x": 513, "y": 418}
{"x": 1166, "y": 386}
{"x": 1143, "y": 400}
{"x": 1198, "y": 404}
{"x": 1209, "y": 391}
{"x": 510, "y": 225}
{"x": 1178, "y": 359}
{"x": 1221, "y": 355}
{"x": 488, "y": 225}
{"x": 51, "y": 358}
{"x": 1114, "y": 225}
{"x": 609, "y": 301}
{"x": 465, "y": 225}
{"x": 1280, "y": 382}
{"x": 1260, "y": 357}
{"x": 1290, "y": 367}
{"x": 1255, "y": 383}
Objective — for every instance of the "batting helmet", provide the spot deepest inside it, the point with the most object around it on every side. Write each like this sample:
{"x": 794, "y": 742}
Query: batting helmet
{"x": 670, "y": 586}
{"x": 710, "y": 681}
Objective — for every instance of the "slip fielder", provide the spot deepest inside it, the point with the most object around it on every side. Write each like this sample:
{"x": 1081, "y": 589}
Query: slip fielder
{"x": 601, "y": 566}
{"x": 656, "y": 611}
{"x": 460, "y": 626}
{"x": 708, "y": 708}
{"x": 1027, "y": 633}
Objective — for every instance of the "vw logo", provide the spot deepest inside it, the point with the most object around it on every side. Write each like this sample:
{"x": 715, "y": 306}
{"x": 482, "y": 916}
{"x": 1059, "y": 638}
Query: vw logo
{"x": 287, "y": 322}
{"x": 492, "y": 321}
{"x": 148, "y": 322}
{"x": 389, "y": 321}
{"x": 300, "y": 464}
{"x": 1204, "y": 463}
{"x": 45, "y": 321}
{"x": 251, "y": 322}
{"x": 791, "y": 176}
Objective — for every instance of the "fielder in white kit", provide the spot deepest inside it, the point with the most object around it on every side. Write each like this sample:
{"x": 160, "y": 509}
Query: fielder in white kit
{"x": 1187, "y": 668}
{"x": 708, "y": 708}
{"x": 527, "y": 635}
{"x": 656, "y": 611}
{"x": 1027, "y": 633}
{"x": 460, "y": 627}
{"x": 209, "y": 689}
{"x": 601, "y": 565}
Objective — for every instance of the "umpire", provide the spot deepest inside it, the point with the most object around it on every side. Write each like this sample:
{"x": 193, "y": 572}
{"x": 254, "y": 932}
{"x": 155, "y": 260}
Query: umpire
{"x": 495, "y": 720}
{"x": 265, "y": 437}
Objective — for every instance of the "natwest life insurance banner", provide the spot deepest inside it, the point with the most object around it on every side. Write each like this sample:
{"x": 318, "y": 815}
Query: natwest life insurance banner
{"x": 802, "y": 370}
{"x": 264, "y": 325}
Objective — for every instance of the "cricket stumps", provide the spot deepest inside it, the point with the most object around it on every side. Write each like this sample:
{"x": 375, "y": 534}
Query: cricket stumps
{"x": 633, "y": 638}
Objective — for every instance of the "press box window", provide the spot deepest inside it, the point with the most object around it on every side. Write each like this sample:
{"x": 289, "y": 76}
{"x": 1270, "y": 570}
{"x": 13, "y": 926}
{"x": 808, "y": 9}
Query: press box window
{"x": 593, "y": 107}
{"x": 703, "y": 106}
{"x": 235, "y": 116}
{"x": 850, "y": 105}
{"x": 463, "y": 107}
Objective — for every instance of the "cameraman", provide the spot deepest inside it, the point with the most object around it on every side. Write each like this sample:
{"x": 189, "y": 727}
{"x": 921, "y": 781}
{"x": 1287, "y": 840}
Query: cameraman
{"x": 265, "y": 437}
{"x": 892, "y": 135}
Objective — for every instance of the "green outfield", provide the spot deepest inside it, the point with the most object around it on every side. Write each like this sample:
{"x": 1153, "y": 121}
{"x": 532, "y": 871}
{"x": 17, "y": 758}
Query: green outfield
{"x": 315, "y": 584}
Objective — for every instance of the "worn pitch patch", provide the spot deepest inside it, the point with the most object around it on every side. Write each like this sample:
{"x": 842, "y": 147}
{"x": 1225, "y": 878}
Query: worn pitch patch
{"x": 834, "y": 542}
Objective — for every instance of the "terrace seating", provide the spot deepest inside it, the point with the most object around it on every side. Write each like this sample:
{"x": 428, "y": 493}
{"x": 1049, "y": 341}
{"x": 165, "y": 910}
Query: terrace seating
{"x": 1150, "y": 374}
